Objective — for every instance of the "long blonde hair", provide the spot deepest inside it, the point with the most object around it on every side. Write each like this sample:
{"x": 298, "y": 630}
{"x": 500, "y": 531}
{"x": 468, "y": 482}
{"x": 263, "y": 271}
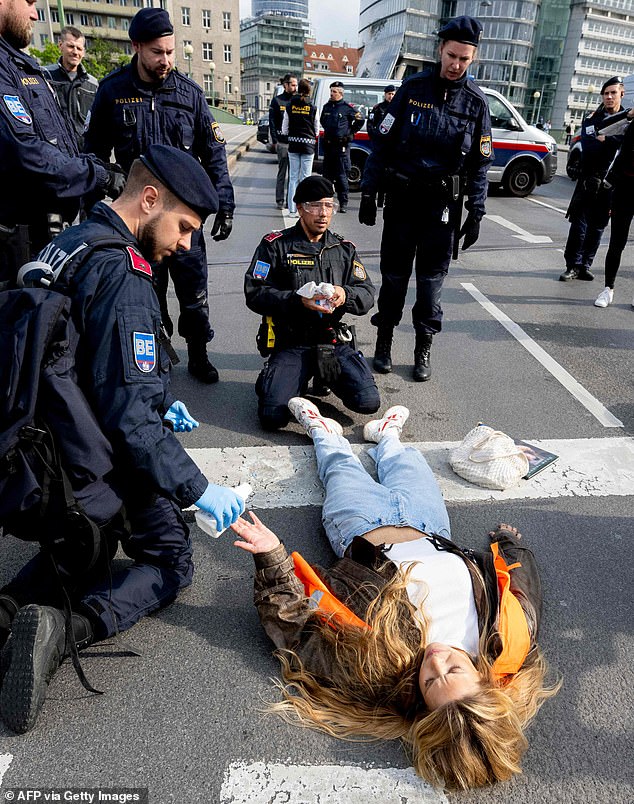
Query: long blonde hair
{"x": 373, "y": 693}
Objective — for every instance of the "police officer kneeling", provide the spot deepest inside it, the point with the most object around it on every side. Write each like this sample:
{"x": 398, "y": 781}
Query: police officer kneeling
{"x": 306, "y": 337}
{"x": 123, "y": 370}
{"x": 432, "y": 147}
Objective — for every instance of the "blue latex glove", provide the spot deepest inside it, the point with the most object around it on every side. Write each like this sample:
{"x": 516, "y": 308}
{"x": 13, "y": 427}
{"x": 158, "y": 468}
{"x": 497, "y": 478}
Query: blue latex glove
{"x": 222, "y": 503}
{"x": 180, "y": 418}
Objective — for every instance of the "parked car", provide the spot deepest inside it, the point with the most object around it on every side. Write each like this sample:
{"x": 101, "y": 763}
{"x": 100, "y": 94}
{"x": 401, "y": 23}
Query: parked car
{"x": 524, "y": 155}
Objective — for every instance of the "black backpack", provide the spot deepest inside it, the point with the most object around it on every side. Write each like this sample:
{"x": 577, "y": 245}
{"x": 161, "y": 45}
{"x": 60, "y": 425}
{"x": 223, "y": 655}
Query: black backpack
{"x": 55, "y": 463}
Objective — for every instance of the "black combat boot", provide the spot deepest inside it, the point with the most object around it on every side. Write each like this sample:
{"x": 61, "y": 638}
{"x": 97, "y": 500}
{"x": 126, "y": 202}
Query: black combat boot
{"x": 422, "y": 349}
{"x": 383, "y": 350}
{"x": 199, "y": 365}
{"x": 8, "y": 609}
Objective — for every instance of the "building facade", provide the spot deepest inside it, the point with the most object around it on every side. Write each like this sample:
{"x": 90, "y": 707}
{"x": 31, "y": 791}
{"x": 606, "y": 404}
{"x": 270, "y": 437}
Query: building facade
{"x": 270, "y": 46}
{"x": 336, "y": 59}
{"x": 599, "y": 44}
{"x": 207, "y": 34}
{"x": 289, "y": 8}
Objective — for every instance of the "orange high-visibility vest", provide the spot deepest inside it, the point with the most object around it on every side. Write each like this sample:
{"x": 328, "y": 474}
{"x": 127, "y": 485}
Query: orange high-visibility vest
{"x": 512, "y": 627}
{"x": 321, "y": 597}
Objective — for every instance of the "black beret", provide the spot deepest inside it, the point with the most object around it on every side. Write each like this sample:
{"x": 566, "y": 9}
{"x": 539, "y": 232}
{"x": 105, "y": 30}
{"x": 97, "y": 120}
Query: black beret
{"x": 149, "y": 24}
{"x": 184, "y": 176}
{"x": 616, "y": 79}
{"x": 465, "y": 30}
{"x": 337, "y": 84}
{"x": 390, "y": 88}
{"x": 314, "y": 188}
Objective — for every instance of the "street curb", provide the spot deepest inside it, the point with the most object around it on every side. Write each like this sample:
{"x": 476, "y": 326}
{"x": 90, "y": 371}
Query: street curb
{"x": 240, "y": 151}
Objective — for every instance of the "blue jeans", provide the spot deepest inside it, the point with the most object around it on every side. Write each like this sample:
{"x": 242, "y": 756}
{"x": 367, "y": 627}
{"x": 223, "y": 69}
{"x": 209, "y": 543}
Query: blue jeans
{"x": 300, "y": 167}
{"x": 406, "y": 495}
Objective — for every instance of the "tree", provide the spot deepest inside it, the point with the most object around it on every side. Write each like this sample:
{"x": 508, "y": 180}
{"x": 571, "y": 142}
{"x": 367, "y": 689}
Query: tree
{"x": 102, "y": 56}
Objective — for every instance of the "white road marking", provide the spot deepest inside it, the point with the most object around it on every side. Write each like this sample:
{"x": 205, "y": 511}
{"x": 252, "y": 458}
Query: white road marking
{"x": 521, "y": 234}
{"x": 286, "y": 477}
{"x": 590, "y": 402}
{"x": 5, "y": 762}
{"x": 544, "y": 204}
{"x": 256, "y": 782}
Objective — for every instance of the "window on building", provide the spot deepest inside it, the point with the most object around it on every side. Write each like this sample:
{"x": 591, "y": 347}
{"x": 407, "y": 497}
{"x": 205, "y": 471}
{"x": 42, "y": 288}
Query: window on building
{"x": 54, "y": 15}
{"x": 226, "y": 50}
{"x": 206, "y": 18}
{"x": 208, "y": 85}
{"x": 112, "y": 23}
{"x": 123, "y": 2}
{"x": 41, "y": 15}
{"x": 83, "y": 19}
{"x": 226, "y": 20}
{"x": 228, "y": 86}
{"x": 137, "y": 3}
{"x": 70, "y": 18}
{"x": 163, "y": 4}
{"x": 96, "y": 21}
{"x": 43, "y": 40}
{"x": 349, "y": 69}
{"x": 208, "y": 52}
{"x": 125, "y": 24}
{"x": 109, "y": 2}
{"x": 185, "y": 15}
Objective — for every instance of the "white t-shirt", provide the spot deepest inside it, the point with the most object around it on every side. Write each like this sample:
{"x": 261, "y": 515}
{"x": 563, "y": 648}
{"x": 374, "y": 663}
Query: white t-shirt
{"x": 440, "y": 585}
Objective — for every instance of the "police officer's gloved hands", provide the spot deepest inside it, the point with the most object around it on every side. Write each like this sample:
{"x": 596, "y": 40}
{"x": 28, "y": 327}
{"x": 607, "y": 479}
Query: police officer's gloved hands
{"x": 116, "y": 181}
{"x": 470, "y": 231}
{"x": 222, "y": 503}
{"x": 367, "y": 209}
{"x": 181, "y": 419}
{"x": 223, "y": 224}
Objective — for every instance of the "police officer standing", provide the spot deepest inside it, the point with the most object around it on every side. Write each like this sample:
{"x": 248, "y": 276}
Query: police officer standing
{"x": 42, "y": 175}
{"x": 433, "y": 146}
{"x": 74, "y": 86}
{"x": 589, "y": 208}
{"x": 278, "y": 138}
{"x": 303, "y": 334}
{"x": 339, "y": 120}
{"x": 124, "y": 373}
{"x": 146, "y": 102}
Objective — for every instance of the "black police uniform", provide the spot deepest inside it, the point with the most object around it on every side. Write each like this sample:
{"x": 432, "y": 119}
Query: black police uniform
{"x": 589, "y": 208}
{"x": 375, "y": 118}
{"x": 437, "y": 133}
{"x": 75, "y": 95}
{"x": 124, "y": 372}
{"x": 129, "y": 115}
{"x": 42, "y": 174}
{"x": 339, "y": 120}
{"x": 278, "y": 138}
{"x": 282, "y": 263}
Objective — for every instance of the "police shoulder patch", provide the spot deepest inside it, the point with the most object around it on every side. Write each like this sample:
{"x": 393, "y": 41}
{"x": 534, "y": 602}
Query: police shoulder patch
{"x": 358, "y": 270}
{"x": 138, "y": 264}
{"x": 387, "y": 123}
{"x": 16, "y": 108}
{"x": 218, "y": 135}
{"x": 261, "y": 269}
{"x": 272, "y": 236}
{"x": 144, "y": 348}
{"x": 485, "y": 145}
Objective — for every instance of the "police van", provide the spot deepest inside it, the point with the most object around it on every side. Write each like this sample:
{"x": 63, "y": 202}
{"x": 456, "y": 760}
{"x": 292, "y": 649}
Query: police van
{"x": 524, "y": 155}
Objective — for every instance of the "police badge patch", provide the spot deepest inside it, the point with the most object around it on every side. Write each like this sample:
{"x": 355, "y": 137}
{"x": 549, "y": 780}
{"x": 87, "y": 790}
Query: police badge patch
{"x": 14, "y": 105}
{"x": 485, "y": 145}
{"x": 144, "y": 351}
{"x": 358, "y": 270}
{"x": 218, "y": 136}
{"x": 387, "y": 123}
{"x": 261, "y": 269}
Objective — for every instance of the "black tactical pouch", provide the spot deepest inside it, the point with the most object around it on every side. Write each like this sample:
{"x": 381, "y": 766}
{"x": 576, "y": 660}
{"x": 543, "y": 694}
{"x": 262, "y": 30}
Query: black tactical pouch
{"x": 328, "y": 366}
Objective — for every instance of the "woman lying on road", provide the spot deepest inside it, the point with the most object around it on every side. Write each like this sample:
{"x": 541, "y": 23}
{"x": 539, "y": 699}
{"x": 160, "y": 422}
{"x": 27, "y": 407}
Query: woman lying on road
{"x": 406, "y": 636}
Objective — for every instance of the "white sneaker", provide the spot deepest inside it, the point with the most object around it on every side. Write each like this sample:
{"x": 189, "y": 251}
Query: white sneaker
{"x": 393, "y": 419}
{"x": 604, "y": 298}
{"x": 308, "y": 415}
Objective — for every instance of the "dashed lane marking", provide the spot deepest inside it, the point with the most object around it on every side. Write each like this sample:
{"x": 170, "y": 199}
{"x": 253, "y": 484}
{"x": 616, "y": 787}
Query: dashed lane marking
{"x": 591, "y": 403}
{"x": 256, "y": 782}
{"x": 549, "y": 206}
{"x": 286, "y": 477}
{"x": 5, "y": 762}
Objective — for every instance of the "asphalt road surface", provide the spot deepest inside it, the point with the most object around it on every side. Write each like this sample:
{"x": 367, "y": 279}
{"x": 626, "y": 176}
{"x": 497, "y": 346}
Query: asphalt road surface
{"x": 520, "y": 351}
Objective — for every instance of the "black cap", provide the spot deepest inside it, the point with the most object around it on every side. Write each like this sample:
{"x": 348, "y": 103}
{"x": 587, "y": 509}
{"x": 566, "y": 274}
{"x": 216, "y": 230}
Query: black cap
{"x": 390, "y": 88}
{"x": 616, "y": 79}
{"x": 184, "y": 176}
{"x": 149, "y": 24}
{"x": 465, "y": 30}
{"x": 314, "y": 188}
{"x": 336, "y": 84}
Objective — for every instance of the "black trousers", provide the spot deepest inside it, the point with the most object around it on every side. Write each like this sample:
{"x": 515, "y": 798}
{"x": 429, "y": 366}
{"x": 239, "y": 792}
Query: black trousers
{"x": 622, "y": 214}
{"x": 336, "y": 168}
{"x": 589, "y": 214}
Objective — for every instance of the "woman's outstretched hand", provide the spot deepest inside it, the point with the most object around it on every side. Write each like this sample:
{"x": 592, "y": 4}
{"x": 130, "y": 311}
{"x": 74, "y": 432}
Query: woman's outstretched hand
{"x": 256, "y": 537}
